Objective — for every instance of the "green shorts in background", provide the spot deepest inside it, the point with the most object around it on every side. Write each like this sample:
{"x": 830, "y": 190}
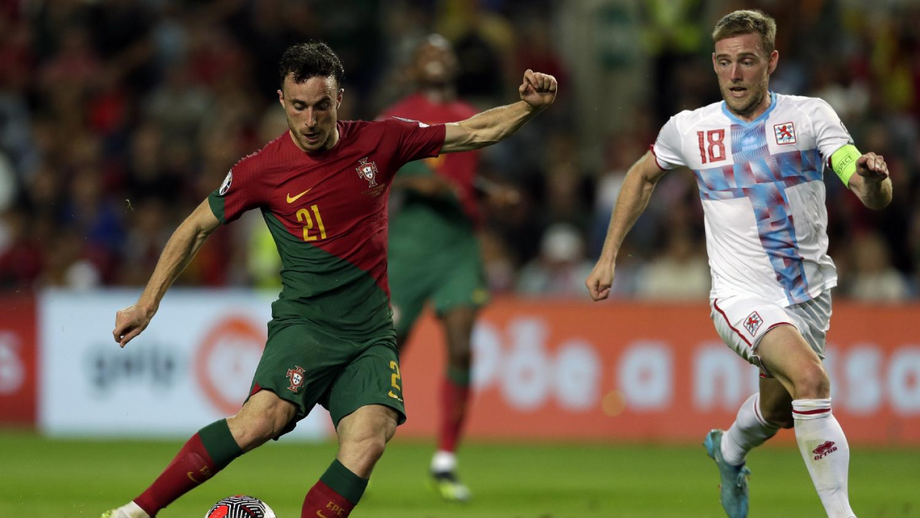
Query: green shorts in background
{"x": 306, "y": 366}
{"x": 431, "y": 259}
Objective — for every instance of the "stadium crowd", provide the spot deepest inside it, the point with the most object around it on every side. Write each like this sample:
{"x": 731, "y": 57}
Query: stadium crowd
{"x": 119, "y": 116}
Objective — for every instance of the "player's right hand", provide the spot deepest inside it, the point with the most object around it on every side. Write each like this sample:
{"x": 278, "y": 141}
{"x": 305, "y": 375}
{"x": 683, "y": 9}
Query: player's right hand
{"x": 129, "y": 322}
{"x": 600, "y": 280}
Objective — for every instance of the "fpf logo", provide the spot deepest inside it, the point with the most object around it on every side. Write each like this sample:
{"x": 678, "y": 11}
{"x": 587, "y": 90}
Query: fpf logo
{"x": 295, "y": 376}
{"x": 368, "y": 171}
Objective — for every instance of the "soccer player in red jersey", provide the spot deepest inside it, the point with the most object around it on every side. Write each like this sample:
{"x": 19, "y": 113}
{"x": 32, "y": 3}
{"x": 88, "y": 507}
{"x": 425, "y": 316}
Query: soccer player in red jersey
{"x": 322, "y": 188}
{"x": 434, "y": 252}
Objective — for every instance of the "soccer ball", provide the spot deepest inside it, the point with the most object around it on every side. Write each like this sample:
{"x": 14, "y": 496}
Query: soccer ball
{"x": 240, "y": 506}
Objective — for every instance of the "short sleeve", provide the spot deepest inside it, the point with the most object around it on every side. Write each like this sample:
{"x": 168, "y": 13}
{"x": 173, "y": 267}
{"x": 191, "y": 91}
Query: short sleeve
{"x": 667, "y": 146}
{"x": 236, "y": 194}
{"x": 415, "y": 139}
{"x": 830, "y": 133}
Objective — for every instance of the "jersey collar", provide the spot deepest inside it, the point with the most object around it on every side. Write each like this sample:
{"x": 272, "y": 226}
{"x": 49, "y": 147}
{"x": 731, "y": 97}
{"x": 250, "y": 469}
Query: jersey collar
{"x": 763, "y": 116}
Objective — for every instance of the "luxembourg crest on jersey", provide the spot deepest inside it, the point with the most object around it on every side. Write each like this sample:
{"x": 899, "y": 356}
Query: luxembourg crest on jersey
{"x": 368, "y": 171}
{"x": 785, "y": 133}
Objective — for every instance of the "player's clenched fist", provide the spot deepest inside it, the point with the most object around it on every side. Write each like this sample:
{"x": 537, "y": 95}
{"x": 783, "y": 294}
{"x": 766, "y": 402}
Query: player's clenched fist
{"x": 600, "y": 280}
{"x": 872, "y": 166}
{"x": 538, "y": 89}
{"x": 129, "y": 322}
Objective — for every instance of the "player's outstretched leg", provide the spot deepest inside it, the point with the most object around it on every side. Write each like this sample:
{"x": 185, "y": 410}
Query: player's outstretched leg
{"x": 210, "y": 450}
{"x": 202, "y": 456}
{"x": 826, "y": 452}
{"x": 455, "y": 394}
{"x": 363, "y": 435}
{"x": 733, "y": 488}
{"x": 818, "y": 434}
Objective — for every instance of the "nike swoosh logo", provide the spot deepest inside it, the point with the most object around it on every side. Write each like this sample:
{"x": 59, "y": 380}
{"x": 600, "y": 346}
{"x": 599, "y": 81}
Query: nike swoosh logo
{"x": 292, "y": 199}
{"x": 189, "y": 475}
{"x": 320, "y": 514}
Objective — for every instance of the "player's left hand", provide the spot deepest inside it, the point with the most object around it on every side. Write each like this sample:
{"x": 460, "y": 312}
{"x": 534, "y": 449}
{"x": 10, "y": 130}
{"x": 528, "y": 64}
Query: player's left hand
{"x": 538, "y": 89}
{"x": 872, "y": 167}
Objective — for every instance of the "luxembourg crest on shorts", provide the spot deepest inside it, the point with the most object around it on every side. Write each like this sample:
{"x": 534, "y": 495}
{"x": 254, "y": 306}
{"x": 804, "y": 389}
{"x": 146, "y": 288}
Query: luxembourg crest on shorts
{"x": 295, "y": 376}
{"x": 368, "y": 171}
{"x": 752, "y": 323}
{"x": 785, "y": 133}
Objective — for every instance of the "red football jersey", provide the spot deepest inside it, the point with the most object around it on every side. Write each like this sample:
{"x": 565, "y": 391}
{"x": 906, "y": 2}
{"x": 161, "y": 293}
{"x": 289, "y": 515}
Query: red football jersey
{"x": 328, "y": 215}
{"x": 459, "y": 168}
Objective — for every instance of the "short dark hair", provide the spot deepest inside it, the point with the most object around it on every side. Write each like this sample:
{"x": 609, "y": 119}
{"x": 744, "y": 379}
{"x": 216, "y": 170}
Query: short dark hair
{"x": 306, "y": 60}
{"x": 739, "y": 23}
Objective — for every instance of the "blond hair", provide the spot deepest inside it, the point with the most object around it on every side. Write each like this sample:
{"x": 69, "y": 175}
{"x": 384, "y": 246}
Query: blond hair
{"x": 743, "y": 22}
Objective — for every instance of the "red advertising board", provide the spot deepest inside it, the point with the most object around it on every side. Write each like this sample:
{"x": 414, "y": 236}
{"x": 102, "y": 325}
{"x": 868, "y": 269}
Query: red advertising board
{"x": 579, "y": 370}
{"x": 17, "y": 359}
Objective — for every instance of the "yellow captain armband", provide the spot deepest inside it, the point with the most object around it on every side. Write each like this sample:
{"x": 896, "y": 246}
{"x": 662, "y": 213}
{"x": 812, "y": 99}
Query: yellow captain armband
{"x": 844, "y": 162}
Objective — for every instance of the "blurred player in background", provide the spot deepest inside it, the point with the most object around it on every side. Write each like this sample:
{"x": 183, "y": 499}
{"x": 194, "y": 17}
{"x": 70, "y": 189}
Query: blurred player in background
{"x": 759, "y": 159}
{"x": 322, "y": 188}
{"x": 434, "y": 253}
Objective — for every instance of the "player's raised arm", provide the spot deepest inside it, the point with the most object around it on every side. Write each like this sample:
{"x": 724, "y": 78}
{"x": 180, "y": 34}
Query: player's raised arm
{"x": 871, "y": 182}
{"x": 634, "y": 196}
{"x": 537, "y": 91}
{"x": 178, "y": 252}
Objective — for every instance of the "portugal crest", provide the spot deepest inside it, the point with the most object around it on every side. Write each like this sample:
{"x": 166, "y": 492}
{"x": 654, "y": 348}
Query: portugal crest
{"x": 295, "y": 376}
{"x": 368, "y": 171}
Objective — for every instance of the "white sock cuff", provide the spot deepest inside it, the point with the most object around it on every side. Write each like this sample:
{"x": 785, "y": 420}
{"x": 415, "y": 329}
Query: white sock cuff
{"x": 807, "y": 409}
{"x": 132, "y": 510}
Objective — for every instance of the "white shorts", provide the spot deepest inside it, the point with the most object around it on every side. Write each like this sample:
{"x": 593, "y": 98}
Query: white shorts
{"x": 742, "y": 321}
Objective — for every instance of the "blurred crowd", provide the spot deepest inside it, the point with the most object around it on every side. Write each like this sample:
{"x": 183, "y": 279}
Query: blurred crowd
{"x": 117, "y": 117}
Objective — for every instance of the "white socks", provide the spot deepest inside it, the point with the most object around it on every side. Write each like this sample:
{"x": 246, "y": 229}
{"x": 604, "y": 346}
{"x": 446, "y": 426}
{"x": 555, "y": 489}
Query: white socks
{"x": 747, "y": 432}
{"x": 131, "y": 510}
{"x": 826, "y": 453}
{"x": 443, "y": 461}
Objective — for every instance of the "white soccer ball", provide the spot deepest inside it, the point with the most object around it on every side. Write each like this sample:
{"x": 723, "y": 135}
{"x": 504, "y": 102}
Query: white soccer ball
{"x": 240, "y": 506}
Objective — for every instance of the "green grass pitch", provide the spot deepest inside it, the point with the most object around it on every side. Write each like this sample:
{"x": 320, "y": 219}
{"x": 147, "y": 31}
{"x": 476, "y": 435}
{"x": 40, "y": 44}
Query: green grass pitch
{"x": 41, "y": 478}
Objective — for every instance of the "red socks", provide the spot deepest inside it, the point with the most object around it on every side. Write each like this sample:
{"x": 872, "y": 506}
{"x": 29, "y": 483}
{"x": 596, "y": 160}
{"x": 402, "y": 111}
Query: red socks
{"x": 454, "y": 397}
{"x": 322, "y": 502}
{"x": 206, "y": 453}
{"x": 335, "y": 494}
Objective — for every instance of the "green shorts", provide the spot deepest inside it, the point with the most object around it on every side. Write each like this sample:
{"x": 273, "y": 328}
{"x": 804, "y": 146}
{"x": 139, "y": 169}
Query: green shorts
{"x": 306, "y": 366}
{"x": 451, "y": 276}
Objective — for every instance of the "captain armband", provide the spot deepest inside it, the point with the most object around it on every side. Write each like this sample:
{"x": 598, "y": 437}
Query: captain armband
{"x": 844, "y": 162}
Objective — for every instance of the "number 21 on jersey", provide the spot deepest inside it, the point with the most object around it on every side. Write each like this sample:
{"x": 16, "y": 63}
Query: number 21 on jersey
{"x": 303, "y": 216}
{"x": 712, "y": 145}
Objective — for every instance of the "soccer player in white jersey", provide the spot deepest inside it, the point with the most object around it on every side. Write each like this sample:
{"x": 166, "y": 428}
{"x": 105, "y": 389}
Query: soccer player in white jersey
{"x": 759, "y": 159}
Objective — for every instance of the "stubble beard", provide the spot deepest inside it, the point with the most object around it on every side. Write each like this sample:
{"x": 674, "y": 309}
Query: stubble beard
{"x": 748, "y": 108}
{"x": 305, "y": 144}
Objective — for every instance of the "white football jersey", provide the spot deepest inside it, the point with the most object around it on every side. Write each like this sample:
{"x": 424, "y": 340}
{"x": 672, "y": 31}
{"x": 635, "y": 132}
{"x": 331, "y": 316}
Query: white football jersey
{"x": 761, "y": 185}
